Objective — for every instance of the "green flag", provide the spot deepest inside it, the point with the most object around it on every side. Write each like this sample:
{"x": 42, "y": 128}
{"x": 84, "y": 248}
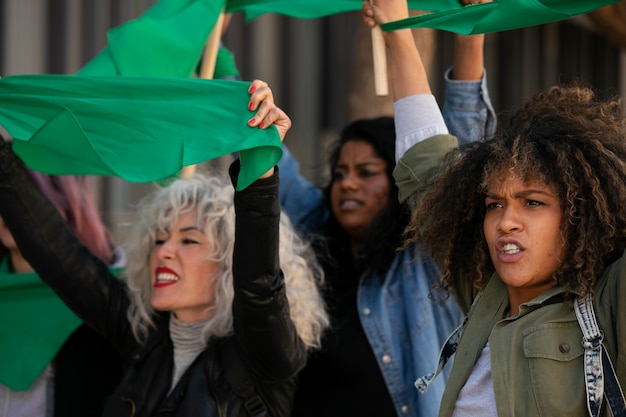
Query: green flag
{"x": 36, "y": 325}
{"x": 499, "y": 15}
{"x": 139, "y": 129}
{"x": 167, "y": 40}
{"x": 448, "y": 15}
{"x": 225, "y": 65}
{"x": 313, "y": 9}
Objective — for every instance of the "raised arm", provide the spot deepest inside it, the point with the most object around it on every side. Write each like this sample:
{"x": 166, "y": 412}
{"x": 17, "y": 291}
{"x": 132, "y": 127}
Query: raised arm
{"x": 467, "y": 109}
{"x": 298, "y": 197}
{"x": 422, "y": 137}
{"x": 80, "y": 279}
{"x": 264, "y": 331}
{"x": 407, "y": 72}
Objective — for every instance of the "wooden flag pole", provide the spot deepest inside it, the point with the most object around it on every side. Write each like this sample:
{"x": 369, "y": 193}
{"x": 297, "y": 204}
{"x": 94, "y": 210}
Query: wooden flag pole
{"x": 209, "y": 56}
{"x": 207, "y": 69}
{"x": 379, "y": 53}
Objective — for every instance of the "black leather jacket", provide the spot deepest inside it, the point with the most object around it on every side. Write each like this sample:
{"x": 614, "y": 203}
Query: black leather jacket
{"x": 265, "y": 337}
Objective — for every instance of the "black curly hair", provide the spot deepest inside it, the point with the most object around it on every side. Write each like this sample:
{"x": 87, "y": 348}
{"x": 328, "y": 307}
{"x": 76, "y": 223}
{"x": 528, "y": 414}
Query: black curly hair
{"x": 564, "y": 137}
{"x": 385, "y": 232}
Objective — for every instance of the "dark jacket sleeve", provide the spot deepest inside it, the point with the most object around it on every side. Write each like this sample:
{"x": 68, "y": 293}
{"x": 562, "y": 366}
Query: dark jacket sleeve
{"x": 263, "y": 327}
{"x": 80, "y": 279}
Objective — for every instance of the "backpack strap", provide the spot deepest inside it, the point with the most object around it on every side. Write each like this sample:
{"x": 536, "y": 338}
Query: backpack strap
{"x": 239, "y": 379}
{"x": 448, "y": 349}
{"x": 600, "y": 378}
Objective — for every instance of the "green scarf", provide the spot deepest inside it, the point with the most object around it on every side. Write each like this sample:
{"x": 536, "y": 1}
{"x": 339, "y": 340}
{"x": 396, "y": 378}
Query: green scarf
{"x": 139, "y": 129}
{"x": 314, "y": 9}
{"x": 166, "y": 40}
{"x": 225, "y": 64}
{"x": 448, "y": 15}
{"x": 499, "y": 15}
{"x": 36, "y": 324}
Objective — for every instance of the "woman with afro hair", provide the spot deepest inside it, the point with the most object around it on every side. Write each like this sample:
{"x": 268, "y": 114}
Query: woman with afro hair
{"x": 529, "y": 229}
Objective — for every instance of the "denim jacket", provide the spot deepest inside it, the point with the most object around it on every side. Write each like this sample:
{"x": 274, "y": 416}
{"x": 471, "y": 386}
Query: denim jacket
{"x": 404, "y": 327}
{"x": 467, "y": 109}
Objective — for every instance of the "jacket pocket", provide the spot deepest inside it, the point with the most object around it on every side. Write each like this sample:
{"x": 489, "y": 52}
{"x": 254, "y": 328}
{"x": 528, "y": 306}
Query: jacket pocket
{"x": 555, "y": 360}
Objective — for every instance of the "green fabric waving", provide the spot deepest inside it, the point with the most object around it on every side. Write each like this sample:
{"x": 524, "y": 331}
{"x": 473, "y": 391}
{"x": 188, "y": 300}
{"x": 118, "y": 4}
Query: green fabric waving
{"x": 225, "y": 65}
{"x": 313, "y": 9}
{"x": 449, "y": 15}
{"x": 167, "y": 40}
{"x": 138, "y": 129}
{"x": 36, "y": 324}
{"x": 499, "y": 15}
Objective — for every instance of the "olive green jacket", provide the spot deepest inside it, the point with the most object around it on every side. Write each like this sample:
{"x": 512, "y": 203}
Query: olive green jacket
{"x": 537, "y": 356}
{"x": 412, "y": 168}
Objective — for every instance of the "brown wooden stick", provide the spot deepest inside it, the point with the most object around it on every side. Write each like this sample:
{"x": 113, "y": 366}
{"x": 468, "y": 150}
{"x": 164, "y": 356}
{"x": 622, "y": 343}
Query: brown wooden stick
{"x": 379, "y": 55}
{"x": 209, "y": 56}
{"x": 207, "y": 70}
{"x": 380, "y": 62}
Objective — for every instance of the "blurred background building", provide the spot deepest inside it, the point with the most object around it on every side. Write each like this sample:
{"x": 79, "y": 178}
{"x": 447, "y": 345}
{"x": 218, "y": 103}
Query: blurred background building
{"x": 320, "y": 70}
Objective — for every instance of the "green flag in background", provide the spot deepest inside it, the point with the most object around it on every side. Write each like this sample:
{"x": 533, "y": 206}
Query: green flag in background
{"x": 139, "y": 129}
{"x": 303, "y": 9}
{"x": 37, "y": 324}
{"x": 449, "y": 15}
{"x": 144, "y": 130}
{"x": 167, "y": 40}
{"x": 499, "y": 15}
{"x": 313, "y": 9}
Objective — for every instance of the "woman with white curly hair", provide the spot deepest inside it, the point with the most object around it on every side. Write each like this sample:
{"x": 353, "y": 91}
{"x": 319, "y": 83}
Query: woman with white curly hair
{"x": 219, "y": 304}
{"x": 210, "y": 199}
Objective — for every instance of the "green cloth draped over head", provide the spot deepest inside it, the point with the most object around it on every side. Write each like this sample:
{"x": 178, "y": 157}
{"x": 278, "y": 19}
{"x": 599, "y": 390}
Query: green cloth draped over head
{"x": 138, "y": 129}
{"x": 35, "y": 325}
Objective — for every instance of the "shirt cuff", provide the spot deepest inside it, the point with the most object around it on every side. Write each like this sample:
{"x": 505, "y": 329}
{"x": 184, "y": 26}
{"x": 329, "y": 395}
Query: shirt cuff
{"x": 466, "y": 95}
{"x": 417, "y": 117}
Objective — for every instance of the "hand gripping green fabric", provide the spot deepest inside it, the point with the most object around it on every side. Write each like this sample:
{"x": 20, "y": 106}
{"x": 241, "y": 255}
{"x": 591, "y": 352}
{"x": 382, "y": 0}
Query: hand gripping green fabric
{"x": 139, "y": 129}
{"x": 168, "y": 39}
{"x": 449, "y": 15}
{"x": 499, "y": 15}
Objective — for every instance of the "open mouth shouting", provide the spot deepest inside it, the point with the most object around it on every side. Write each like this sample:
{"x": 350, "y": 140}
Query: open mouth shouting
{"x": 165, "y": 277}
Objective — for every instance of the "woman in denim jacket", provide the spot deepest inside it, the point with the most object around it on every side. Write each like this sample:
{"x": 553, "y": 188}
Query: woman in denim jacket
{"x": 386, "y": 330}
